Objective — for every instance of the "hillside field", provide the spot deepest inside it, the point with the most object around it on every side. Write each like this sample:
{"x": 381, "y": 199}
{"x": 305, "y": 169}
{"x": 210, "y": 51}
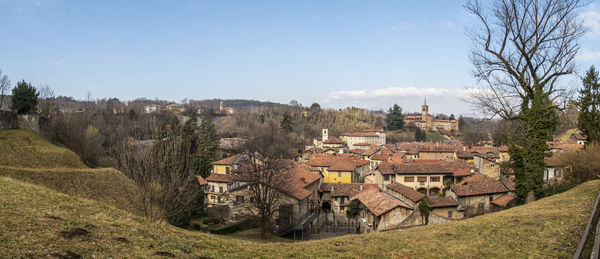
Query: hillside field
{"x": 38, "y": 222}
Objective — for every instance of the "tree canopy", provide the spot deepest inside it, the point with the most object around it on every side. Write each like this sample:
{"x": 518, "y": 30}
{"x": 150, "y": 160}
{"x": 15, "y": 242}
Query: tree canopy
{"x": 24, "y": 98}
{"x": 395, "y": 118}
{"x": 589, "y": 104}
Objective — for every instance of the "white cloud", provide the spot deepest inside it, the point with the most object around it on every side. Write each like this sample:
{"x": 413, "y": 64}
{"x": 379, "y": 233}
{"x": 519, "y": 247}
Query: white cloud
{"x": 591, "y": 18}
{"x": 586, "y": 55}
{"x": 392, "y": 92}
{"x": 402, "y": 26}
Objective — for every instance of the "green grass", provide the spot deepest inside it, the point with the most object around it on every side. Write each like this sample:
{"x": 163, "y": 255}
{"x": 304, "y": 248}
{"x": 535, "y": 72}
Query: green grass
{"x": 254, "y": 235}
{"x": 33, "y": 218}
{"x": 24, "y": 148}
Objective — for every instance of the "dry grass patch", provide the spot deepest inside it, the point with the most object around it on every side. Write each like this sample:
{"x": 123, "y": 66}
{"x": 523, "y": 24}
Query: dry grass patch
{"x": 24, "y": 148}
{"x": 34, "y": 218}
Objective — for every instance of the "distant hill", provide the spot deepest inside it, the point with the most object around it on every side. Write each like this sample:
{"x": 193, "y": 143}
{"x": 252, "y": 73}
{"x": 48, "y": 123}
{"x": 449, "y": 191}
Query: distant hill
{"x": 238, "y": 104}
{"x": 39, "y": 222}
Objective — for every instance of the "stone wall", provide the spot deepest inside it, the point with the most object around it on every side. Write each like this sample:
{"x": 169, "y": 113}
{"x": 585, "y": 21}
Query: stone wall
{"x": 10, "y": 120}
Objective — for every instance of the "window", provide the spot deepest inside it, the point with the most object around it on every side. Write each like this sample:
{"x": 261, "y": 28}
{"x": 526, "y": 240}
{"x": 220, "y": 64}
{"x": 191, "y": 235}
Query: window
{"x": 481, "y": 206}
{"x": 212, "y": 188}
{"x": 449, "y": 214}
{"x": 461, "y": 202}
{"x": 409, "y": 179}
{"x": 386, "y": 178}
{"x": 491, "y": 198}
{"x": 422, "y": 179}
{"x": 220, "y": 189}
{"x": 434, "y": 179}
{"x": 227, "y": 170}
{"x": 342, "y": 200}
{"x": 239, "y": 199}
{"x": 212, "y": 197}
{"x": 339, "y": 174}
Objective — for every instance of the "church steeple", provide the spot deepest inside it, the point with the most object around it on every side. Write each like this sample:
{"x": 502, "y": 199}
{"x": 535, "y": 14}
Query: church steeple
{"x": 424, "y": 110}
{"x": 425, "y": 102}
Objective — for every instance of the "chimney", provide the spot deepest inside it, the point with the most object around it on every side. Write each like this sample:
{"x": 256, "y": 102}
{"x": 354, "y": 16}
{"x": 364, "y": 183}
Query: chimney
{"x": 361, "y": 187}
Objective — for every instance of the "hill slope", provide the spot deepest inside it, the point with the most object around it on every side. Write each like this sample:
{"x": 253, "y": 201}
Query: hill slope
{"x": 24, "y": 148}
{"x": 38, "y": 222}
{"x": 28, "y": 157}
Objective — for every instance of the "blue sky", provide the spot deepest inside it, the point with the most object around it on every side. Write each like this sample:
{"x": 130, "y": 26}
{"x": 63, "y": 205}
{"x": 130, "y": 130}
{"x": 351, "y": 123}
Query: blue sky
{"x": 369, "y": 54}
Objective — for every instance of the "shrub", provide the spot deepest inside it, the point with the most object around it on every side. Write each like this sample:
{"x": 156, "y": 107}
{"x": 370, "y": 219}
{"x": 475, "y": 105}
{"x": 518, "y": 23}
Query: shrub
{"x": 24, "y": 98}
{"x": 583, "y": 165}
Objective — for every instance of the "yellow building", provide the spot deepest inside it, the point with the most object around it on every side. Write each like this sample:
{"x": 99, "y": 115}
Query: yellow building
{"x": 224, "y": 166}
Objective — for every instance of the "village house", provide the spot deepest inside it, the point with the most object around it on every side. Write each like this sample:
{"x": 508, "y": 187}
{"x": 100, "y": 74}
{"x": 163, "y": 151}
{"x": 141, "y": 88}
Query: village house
{"x": 340, "y": 168}
{"x": 487, "y": 164}
{"x": 370, "y": 136}
{"x": 150, "y": 108}
{"x": 217, "y": 186}
{"x": 379, "y": 211}
{"x": 429, "y": 177}
{"x": 437, "y": 152}
{"x": 299, "y": 197}
{"x": 554, "y": 169}
{"x": 404, "y": 193}
{"x": 425, "y": 121}
{"x": 445, "y": 207}
{"x": 578, "y": 138}
{"x": 476, "y": 193}
{"x": 335, "y": 197}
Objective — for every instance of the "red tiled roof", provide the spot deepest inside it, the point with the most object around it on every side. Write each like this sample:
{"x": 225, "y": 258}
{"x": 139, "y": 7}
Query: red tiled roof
{"x": 408, "y": 192}
{"x": 342, "y": 165}
{"x": 553, "y": 162}
{"x": 333, "y": 140}
{"x": 380, "y": 157}
{"x": 221, "y": 178}
{"x": 378, "y": 202}
{"x": 509, "y": 183}
{"x": 360, "y": 134}
{"x": 226, "y": 161}
{"x": 442, "y": 202}
{"x": 478, "y": 184}
{"x": 362, "y": 144}
{"x": 372, "y": 130}
{"x": 347, "y": 189}
{"x": 201, "y": 180}
{"x": 578, "y": 136}
{"x": 503, "y": 200}
{"x": 297, "y": 179}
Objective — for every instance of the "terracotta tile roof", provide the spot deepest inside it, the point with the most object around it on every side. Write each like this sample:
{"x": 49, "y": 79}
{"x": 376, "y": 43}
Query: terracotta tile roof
{"x": 201, "y": 180}
{"x": 427, "y": 166}
{"x": 347, "y": 189}
{"x": 226, "y": 161}
{"x": 408, "y": 192}
{"x": 442, "y": 202}
{"x": 333, "y": 140}
{"x": 378, "y": 202}
{"x": 342, "y": 165}
{"x": 221, "y": 178}
{"x": 297, "y": 179}
{"x": 509, "y": 183}
{"x": 478, "y": 184}
{"x": 360, "y": 134}
{"x": 464, "y": 154}
{"x": 504, "y": 200}
{"x": 502, "y": 148}
{"x": 364, "y": 152}
{"x": 578, "y": 136}
{"x": 553, "y": 161}
{"x": 362, "y": 144}
{"x": 380, "y": 157}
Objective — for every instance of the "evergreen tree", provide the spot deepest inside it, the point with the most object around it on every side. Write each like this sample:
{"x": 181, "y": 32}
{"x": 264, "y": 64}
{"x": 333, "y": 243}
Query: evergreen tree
{"x": 395, "y": 118}
{"x": 208, "y": 144}
{"x": 461, "y": 123}
{"x": 24, "y": 98}
{"x": 452, "y": 117}
{"x": 286, "y": 123}
{"x": 315, "y": 107}
{"x": 420, "y": 135}
{"x": 589, "y": 106}
{"x": 425, "y": 210}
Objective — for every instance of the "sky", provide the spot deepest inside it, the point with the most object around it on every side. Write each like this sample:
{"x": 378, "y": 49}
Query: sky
{"x": 368, "y": 54}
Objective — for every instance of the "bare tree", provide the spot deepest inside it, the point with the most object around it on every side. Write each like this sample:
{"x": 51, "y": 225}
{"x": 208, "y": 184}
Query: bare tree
{"x": 520, "y": 51}
{"x": 265, "y": 179}
{"x": 47, "y": 104}
{"x": 166, "y": 188}
{"x": 4, "y": 88}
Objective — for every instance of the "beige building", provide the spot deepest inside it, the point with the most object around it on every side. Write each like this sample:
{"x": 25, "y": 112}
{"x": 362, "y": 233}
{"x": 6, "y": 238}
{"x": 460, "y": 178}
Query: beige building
{"x": 380, "y": 211}
{"x": 478, "y": 194}
{"x": 425, "y": 121}
{"x": 370, "y": 136}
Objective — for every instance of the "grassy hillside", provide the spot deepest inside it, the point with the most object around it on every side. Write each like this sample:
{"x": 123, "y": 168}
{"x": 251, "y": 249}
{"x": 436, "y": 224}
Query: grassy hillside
{"x": 38, "y": 221}
{"x": 24, "y": 148}
{"x": 28, "y": 157}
